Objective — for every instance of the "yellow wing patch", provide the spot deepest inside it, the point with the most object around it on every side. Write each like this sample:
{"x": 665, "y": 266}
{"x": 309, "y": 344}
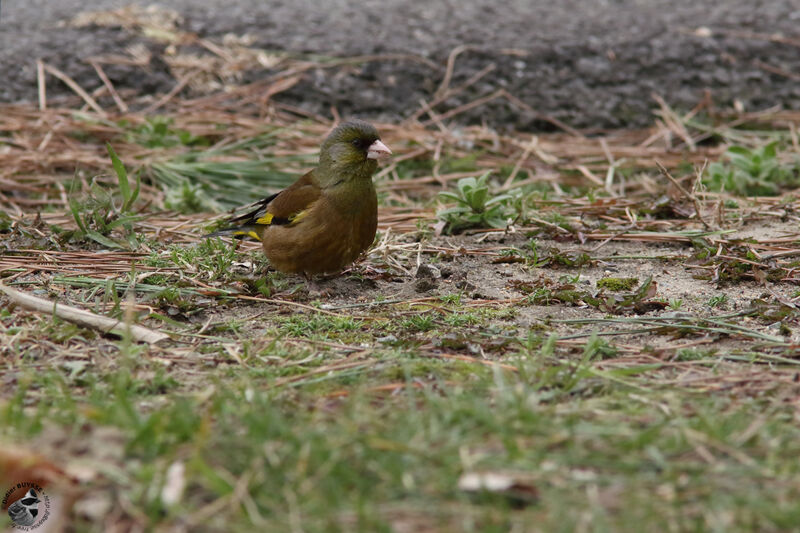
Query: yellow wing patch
{"x": 249, "y": 233}
{"x": 299, "y": 216}
{"x": 266, "y": 220}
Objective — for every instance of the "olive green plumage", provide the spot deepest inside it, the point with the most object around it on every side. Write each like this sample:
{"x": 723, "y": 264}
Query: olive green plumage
{"x": 328, "y": 217}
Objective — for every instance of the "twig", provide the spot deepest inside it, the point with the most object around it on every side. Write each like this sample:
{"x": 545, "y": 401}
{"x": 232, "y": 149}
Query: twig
{"x": 776, "y": 70}
{"x": 521, "y": 160}
{"x": 691, "y": 197}
{"x": 674, "y": 122}
{"x": 91, "y": 102}
{"x": 589, "y": 175}
{"x": 452, "y": 92}
{"x": 175, "y": 90}
{"x": 435, "y": 119}
{"x": 451, "y": 61}
{"x": 107, "y": 82}
{"x": 466, "y": 107}
{"x": 83, "y": 318}
{"x": 546, "y": 118}
{"x": 773, "y": 38}
{"x": 42, "y": 84}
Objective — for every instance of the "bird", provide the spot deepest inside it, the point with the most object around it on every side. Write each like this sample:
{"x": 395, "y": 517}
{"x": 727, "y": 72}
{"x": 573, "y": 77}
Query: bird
{"x": 24, "y": 511}
{"x": 328, "y": 217}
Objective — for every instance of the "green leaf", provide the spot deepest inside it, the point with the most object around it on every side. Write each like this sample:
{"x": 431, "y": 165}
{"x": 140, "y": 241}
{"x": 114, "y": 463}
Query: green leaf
{"x": 122, "y": 174}
{"x": 102, "y": 239}
{"x": 498, "y": 199}
{"x": 126, "y": 206}
{"x": 738, "y": 150}
{"x": 123, "y": 221}
{"x": 446, "y": 195}
{"x": 75, "y": 210}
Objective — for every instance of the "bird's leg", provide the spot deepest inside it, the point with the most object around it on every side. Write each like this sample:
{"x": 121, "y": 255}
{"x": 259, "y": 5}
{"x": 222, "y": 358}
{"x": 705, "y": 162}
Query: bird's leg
{"x": 314, "y": 289}
{"x": 328, "y": 277}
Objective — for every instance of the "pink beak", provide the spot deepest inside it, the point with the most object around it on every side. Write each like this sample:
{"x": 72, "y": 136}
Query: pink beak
{"x": 377, "y": 150}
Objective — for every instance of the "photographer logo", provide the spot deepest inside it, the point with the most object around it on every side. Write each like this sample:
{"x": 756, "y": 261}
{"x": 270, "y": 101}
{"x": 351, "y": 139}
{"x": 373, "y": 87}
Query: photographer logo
{"x": 28, "y": 506}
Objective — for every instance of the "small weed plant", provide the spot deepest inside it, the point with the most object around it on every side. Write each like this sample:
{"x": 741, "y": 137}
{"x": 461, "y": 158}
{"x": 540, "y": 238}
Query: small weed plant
{"x": 475, "y": 206}
{"x": 98, "y": 215}
{"x": 752, "y": 172}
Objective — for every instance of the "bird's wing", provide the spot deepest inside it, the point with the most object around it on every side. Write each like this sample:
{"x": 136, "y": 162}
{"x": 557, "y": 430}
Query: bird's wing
{"x": 291, "y": 204}
{"x": 258, "y": 212}
{"x": 284, "y": 208}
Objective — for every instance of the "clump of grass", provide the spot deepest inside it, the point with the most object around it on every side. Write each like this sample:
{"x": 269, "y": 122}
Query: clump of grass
{"x": 98, "y": 215}
{"x": 461, "y": 319}
{"x": 305, "y": 326}
{"x": 211, "y": 257}
{"x": 617, "y": 284}
{"x": 226, "y": 176}
{"x": 269, "y": 284}
{"x": 5, "y": 222}
{"x": 694, "y": 354}
{"x": 752, "y": 172}
{"x": 159, "y": 132}
{"x": 719, "y": 300}
{"x": 419, "y": 323}
{"x": 187, "y": 197}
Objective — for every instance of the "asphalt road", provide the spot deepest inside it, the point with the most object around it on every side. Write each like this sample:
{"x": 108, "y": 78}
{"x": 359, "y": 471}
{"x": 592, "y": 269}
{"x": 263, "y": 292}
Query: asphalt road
{"x": 588, "y": 63}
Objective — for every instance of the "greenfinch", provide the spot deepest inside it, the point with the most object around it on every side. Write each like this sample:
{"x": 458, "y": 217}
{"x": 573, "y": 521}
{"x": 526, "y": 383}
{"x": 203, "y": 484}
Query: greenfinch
{"x": 327, "y": 218}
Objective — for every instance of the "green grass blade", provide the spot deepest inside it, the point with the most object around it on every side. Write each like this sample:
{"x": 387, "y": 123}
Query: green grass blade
{"x": 102, "y": 239}
{"x": 122, "y": 178}
{"x": 75, "y": 210}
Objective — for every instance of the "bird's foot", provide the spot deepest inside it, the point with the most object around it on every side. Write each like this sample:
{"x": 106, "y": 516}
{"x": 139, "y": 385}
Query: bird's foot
{"x": 316, "y": 288}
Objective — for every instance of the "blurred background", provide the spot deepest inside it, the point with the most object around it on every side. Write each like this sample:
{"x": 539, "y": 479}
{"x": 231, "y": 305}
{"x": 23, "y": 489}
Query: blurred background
{"x": 530, "y": 65}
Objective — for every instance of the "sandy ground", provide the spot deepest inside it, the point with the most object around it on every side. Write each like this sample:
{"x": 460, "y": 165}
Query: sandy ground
{"x": 590, "y": 64}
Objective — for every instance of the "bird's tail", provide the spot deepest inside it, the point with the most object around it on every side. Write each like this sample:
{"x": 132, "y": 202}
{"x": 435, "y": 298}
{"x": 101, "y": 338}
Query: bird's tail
{"x": 238, "y": 232}
{"x": 247, "y": 222}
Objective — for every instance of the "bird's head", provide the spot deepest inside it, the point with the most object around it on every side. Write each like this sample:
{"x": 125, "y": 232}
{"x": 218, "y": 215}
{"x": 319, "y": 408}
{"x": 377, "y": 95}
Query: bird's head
{"x": 350, "y": 152}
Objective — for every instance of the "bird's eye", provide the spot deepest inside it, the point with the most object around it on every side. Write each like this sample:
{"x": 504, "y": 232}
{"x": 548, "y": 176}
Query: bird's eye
{"x": 361, "y": 143}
